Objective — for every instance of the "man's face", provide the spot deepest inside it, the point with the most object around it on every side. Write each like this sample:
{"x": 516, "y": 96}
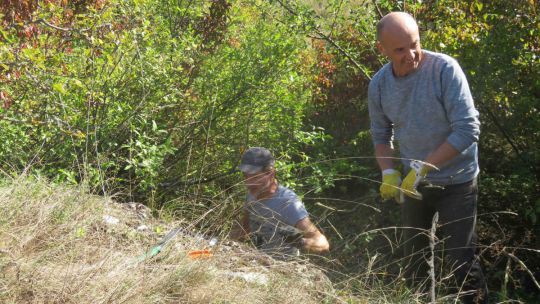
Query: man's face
{"x": 260, "y": 182}
{"x": 403, "y": 49}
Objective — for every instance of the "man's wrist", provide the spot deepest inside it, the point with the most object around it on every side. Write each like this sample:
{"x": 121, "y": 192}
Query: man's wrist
{"x": 389, "y": 171}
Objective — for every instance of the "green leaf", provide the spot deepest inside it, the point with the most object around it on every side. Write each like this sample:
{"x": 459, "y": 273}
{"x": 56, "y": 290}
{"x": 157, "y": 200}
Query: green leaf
{"x": 479, "y": 6}
{"x": 77, "y": 83}
{"x": 59, "y": 87}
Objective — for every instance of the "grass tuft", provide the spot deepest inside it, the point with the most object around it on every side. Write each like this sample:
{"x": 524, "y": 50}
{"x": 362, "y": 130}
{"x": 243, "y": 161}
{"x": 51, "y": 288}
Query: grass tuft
{"x": 60, "y": 244}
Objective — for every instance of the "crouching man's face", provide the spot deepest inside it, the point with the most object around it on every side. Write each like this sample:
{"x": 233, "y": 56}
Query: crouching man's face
{"x": 260, "y": 182}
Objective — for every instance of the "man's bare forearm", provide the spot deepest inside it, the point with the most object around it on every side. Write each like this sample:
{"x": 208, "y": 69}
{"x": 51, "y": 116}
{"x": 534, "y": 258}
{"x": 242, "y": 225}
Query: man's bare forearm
{"x": 384, "y": 154}
{"x": 443, "y": 154}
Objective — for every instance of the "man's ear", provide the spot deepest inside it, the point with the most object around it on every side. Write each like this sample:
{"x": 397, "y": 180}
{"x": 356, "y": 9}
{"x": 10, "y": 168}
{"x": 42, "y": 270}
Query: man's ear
{"x": 272, "y": 174}
{"x": 380, "y": 47}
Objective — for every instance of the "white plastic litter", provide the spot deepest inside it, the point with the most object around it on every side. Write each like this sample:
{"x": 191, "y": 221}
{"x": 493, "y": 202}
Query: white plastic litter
{"x": 143, "y": 228}
{"x": 250, "y": 277}
{"x": 111, "y": 220}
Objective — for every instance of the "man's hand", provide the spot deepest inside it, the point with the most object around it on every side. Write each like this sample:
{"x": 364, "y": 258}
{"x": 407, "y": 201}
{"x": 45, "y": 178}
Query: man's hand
{"x": 240, "y": 229}
{"x": 391, "y": 180}
{"x": 313, "y": 241}
{"x": 416, "y": 175}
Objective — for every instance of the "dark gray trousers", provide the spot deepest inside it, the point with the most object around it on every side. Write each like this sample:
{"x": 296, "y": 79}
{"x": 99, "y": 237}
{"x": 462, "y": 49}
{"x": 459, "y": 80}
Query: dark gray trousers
{"x": 456, "y": 238}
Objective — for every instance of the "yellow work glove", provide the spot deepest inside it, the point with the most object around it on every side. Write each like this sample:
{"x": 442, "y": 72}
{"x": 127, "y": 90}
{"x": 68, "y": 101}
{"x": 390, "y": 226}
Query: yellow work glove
{"x": 416, "y": 175}
{"x": 391, "y": 179}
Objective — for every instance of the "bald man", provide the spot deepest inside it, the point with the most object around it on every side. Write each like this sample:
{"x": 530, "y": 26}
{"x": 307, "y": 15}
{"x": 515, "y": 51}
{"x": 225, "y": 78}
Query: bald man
{"x": 421, "y": 99}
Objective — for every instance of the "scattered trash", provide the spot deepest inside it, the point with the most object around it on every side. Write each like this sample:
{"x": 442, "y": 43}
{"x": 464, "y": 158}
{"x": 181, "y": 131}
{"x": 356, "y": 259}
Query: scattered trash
{"x": 194, "y": 254}
{"x": 143, "y": 228}
{"x": 198, "y": 254}
{"x": 111, "y": 220}
{"x": 205, "y": 253}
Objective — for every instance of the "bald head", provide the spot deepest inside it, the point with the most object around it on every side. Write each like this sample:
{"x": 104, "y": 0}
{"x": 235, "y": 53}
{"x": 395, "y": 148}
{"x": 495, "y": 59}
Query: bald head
{"x": 399, "y": 40}
{"x": 397, "y": 23}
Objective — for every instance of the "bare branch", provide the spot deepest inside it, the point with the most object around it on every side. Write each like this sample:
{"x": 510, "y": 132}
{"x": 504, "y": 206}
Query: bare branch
{"x": 378, "y": 9}
{"x": 43, "y": 21}
{"x": 327, "y": 38}
{"x": 517, "y": 260}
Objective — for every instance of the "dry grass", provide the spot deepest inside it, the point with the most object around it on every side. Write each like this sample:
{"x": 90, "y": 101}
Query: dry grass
{"x": 57, "y": 247}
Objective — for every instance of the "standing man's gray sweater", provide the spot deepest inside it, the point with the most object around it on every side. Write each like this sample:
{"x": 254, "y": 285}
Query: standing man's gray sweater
{"x": 422, "y": 110}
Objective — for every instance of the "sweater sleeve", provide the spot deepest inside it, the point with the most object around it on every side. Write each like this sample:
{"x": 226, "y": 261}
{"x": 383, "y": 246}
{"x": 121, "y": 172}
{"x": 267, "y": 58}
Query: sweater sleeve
{"x": 458, "y": 102}
{"x": 381, "y": 127}
{"x": 293, "y": 209}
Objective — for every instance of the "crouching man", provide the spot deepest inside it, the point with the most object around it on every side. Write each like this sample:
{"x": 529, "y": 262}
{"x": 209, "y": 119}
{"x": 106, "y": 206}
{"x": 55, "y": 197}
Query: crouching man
{"x": 274, "y": 217}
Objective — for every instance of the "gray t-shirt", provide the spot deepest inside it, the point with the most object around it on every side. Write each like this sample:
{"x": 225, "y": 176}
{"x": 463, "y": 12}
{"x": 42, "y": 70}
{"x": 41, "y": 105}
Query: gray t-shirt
{"x": 272, "y": 221}
{"x": 422, "y": 110}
